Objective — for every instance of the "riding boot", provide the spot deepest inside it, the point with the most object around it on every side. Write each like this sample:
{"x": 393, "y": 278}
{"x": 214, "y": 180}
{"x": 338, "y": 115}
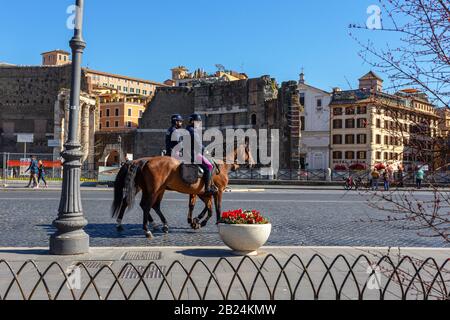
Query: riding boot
{"x": 208, "y": 183}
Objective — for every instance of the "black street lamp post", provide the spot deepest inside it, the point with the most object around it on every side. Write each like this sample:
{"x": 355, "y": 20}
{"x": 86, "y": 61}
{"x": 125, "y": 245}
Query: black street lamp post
{"x": 70, "y": 238}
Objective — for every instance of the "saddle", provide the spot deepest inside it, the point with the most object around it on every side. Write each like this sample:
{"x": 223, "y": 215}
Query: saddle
{"x": 191, "y": 173}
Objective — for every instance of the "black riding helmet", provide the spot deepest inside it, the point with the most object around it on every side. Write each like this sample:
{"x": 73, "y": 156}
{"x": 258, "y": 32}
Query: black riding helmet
{"x": 195, "y": 117}
{"x": 175, "y": 118}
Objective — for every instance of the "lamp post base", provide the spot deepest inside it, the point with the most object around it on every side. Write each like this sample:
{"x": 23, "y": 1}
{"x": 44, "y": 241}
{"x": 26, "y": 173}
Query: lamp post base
{"x": 70, "y": 243}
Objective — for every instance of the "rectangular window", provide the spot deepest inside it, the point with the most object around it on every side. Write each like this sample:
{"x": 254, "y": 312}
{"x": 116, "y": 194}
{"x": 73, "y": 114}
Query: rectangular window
{"x": 349, "y": 155}
{"x": 362, "y": 155}
{"x": 119, "y": 88}
{"x": 116, "y": 124}
{"x": 302, "y": 99}
{"x": 117, "y": 112}
{"x": 386, "y": 140}
{"x": 378, "y": 123}
{"x": 302, "y": 120}
{"x": 386, "y": 125}
{"x": 100, "y": 113}
{"x": 362, "y": 123}
{"x": 107, "y": 124}
{"x": 378, "y": 155}
{"x": 129, "y": 112}
{"x": 132, "y": 90}
{"x": 361, "y": 110}
{"x": 337, "y": 139}
{"x": 138, "y": 91}
{"x": 337, "y": 155}
{"x": 107, "y": 112}
{"x": 361, "y": 139}
{"x": 337, "y": 111}
{"x": 319, "y": 103}
{"x": 349, "y": 111}
{"x": 129, "y": 125}
{"x": 144, "y": 92}
{"x": 378, "y": 139}
{"x": 337, "y": 124}
{"x": 386, "y": 156}
{"x": 350, "y": 123}
{"x": 349, "y": 139}
{"x": 125, "y": 89}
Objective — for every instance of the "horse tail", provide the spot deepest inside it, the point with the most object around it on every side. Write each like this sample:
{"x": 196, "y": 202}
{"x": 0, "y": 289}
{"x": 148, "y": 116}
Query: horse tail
{"x": 125, "y": 188}
{"x": 119, "y": 185}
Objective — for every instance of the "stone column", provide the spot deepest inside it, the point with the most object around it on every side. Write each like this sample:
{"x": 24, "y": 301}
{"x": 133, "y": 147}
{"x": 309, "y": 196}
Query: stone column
{"x": 85, "y": 131}
{"x": 92, "y": 129}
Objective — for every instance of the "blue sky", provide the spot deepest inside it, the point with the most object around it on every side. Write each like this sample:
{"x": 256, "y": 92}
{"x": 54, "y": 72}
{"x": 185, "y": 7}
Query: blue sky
{"x": 145, "y": 38}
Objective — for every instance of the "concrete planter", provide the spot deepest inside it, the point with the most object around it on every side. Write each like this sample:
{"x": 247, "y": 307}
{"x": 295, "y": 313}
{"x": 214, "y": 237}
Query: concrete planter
{"x": 245, "y": 239}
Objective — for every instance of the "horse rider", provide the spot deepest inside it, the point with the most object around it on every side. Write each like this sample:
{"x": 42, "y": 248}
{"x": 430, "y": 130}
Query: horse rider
{"x": 198, "y": 150}
{"x": 172, "y": 138}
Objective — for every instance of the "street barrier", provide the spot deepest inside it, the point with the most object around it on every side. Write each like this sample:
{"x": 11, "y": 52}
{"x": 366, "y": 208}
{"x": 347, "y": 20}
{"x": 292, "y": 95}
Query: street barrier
{"x": 293, "y": 278}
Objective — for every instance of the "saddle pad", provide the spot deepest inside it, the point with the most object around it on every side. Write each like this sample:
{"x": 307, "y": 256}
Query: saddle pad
{"x": 189, "y": 173}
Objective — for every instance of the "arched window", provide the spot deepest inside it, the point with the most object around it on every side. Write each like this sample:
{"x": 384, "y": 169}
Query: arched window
{"x": 253, "y": 119}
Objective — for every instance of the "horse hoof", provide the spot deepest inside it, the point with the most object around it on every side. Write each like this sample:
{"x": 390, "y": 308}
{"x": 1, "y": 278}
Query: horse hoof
{"x": 149, "y": 235}
{"x": 190, "y": 221}
{"x": 204, "y": 223}
{"x": 165, "y": 229}
{"x": 119, "y": 228}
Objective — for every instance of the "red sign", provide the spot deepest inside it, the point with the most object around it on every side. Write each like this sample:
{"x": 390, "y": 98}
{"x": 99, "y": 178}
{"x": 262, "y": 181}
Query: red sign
{"x": 47, "y": 164}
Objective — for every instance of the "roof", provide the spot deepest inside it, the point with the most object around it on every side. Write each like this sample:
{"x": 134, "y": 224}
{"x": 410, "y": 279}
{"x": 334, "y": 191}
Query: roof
{"x": 370, "y": 75}
{"x": 5, "y": 64}
{"x": 123, "y": 77}
{"x": 314, "y": 88}
{"x": 56, "y": 51}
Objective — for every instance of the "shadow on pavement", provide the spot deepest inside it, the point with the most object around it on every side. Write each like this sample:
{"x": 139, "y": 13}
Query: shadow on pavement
{"x": 109, "y": 231}
{"x": 36, "y": 252}
{"x": 207, "y": 253}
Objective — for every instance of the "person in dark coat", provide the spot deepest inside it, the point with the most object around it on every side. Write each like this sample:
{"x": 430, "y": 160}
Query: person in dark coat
{"x": 34, "y": 171}
{"x": 172, "y": 137}
{"x": 198, "y": 150}
{"x": 41, "y": 174}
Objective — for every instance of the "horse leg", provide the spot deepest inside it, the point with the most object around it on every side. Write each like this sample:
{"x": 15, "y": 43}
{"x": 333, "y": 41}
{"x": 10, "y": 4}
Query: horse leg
{"x": 218, "y": 202}
{"x": 208, "y": 208}
{"x": 157, "y": 208}
{"x": 119, "y": 226}
{"x": 192, "y": 202}
{"x": 145, "y": 205}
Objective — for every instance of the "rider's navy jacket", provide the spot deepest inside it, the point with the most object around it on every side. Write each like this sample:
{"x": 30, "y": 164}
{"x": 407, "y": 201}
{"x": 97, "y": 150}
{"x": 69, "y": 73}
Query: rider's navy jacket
{"x": 196, "y": 141}
{"x": 170, "y": 145}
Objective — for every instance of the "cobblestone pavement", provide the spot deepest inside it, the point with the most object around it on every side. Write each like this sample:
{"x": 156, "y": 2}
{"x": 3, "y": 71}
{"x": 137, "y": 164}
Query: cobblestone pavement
{"x": 299, "y": 217}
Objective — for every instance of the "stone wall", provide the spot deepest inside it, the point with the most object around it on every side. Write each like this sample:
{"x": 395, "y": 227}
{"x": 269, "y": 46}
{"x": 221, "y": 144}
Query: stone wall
{"x": 106, "y": 142}
{"x": 27, "y": 104}
{"x": 150, "y": 137}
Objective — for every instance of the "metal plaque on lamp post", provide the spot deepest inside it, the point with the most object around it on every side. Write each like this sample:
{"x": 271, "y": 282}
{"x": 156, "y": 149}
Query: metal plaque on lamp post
{"x": 70, "y": 238}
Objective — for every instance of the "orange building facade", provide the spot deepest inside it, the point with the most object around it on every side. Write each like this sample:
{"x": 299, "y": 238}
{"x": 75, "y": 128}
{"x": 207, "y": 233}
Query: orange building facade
{"x": 119, "y": 112}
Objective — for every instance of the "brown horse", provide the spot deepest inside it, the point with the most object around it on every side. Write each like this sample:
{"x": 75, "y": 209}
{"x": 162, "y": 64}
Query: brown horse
{"x": 153, "y": 176}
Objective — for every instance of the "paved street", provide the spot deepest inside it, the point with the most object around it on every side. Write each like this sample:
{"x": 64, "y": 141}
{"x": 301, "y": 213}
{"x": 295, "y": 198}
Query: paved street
{"x": 299, "y": 217}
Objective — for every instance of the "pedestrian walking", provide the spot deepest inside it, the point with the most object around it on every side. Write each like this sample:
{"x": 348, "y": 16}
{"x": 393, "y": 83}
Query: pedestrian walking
{"x": 400, "y": 176}
{"x": 386, "y": 181}
{"x": 420, "y": 175}
{"x": 34, "y": 171}
{"x": 375, "y": 176}
{"x": 41, "y": 174}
